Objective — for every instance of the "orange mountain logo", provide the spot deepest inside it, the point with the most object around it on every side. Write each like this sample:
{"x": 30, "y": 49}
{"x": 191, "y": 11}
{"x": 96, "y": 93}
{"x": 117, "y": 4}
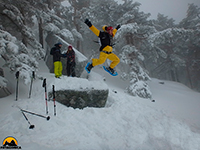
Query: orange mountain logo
{"x": 10, "y": 143}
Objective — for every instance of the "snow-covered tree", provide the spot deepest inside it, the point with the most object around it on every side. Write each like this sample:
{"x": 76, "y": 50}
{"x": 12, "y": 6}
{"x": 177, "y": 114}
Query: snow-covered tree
{"x": 173, "y": 49}
{"x": 17, "y": 56}
{"x": 192, "y": 19}
{"x": 76, "y": 10}
{"x": 3, "y": 81}
{"x": 166, "y": 45}
{"x": 162, "y": 22}
{"x": 12, "y": 15}
{"x": 101, "y": 12}
{"x": 130, "y": 37}
{"x": 20, "y": 52}
{"x": 137, "y": 75}
{"x": 129, "y": 12}
{"x": 173, "y": 52}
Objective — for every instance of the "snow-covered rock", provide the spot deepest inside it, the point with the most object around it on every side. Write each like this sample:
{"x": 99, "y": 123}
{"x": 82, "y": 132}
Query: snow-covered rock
{"x": 79, "y": 93}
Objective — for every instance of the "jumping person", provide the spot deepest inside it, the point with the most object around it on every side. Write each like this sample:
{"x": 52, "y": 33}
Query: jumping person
{"x": 106, "y": 39}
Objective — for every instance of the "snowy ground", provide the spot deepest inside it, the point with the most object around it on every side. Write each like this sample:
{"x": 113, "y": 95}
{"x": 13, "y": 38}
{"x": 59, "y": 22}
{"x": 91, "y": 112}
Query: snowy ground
{"x": 126, "y": 123}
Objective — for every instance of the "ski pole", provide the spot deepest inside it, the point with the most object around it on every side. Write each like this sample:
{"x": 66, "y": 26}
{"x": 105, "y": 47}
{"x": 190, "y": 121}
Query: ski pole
{"x": 54, "y": 100}
{"x": 32, "y": 113}
{"x": 33, "y": 77}
{"x": 44, "y": 85}
{"x": 17, "y": 77}
{"x": 31, "y": 126}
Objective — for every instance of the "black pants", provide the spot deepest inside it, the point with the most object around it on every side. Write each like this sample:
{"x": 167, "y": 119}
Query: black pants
{"x": 71, "y": 69}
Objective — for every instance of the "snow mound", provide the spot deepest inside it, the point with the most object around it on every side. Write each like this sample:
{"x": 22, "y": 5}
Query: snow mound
{"x": 75, "y": 84}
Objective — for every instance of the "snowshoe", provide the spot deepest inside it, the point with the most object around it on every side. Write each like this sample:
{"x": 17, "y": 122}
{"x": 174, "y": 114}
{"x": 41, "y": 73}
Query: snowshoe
{"x": 110, "y": 71}
{"x": 88, "y": 67}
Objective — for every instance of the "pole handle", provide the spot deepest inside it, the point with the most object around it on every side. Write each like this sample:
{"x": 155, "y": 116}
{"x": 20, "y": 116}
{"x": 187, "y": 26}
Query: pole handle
{"x": 17, "y": 74}
{"x": 33, "y": 74}
{"x": 44, "y": 83}
{"x": 53, "y": 87}
{"x": 54, "y": 100}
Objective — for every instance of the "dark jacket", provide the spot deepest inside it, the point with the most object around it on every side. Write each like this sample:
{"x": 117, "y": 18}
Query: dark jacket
{"x": 106, "y": 40}
{"x": 55, "y": 51}
{"x": 70, "y": 56}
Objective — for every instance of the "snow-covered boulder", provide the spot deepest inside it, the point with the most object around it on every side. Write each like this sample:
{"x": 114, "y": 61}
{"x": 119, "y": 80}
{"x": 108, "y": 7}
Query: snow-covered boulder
{"x": 79, "y": 93}
{"x": 81, "y": 60}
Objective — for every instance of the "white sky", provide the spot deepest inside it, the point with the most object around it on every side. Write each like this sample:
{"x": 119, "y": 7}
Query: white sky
{"x": 175, "y": 9}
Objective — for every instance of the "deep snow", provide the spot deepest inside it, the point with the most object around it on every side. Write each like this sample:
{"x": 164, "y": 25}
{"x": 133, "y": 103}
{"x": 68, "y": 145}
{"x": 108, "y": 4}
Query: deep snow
{"x": 126, "y": 123}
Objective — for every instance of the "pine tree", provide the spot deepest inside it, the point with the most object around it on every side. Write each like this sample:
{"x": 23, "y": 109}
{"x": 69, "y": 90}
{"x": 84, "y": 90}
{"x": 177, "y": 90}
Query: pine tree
{"x": 20, "y": 52}
{"x": 163, "y": 22}
{"x": 130, "y": 37}
{"x": 192, "y": 19}
{"x": 136, "y": 74}
{"x": 17, "y": 56}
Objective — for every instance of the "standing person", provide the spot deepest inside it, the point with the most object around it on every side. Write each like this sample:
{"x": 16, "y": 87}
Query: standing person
{"x": 55, "y": 51}
{"x": 70, "y": 62}
{"x": 106, "y": 39}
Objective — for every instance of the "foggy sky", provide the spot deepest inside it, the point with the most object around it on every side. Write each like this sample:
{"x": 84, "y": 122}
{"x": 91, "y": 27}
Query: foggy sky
{"x": 175, "y": 9}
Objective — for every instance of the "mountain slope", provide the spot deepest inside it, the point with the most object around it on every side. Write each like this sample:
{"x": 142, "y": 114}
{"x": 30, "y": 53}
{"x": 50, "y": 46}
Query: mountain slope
{"x": 125, "y": 123}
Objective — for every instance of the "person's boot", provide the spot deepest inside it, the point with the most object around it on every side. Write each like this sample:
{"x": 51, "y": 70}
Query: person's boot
{"x": 112, "y": 71}
{"x": 57, "y": 77}
{"x": 89, "y": 68}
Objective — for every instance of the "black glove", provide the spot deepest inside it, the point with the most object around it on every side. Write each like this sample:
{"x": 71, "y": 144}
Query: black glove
{"x": 119, "y": 26}
{"x": 88, "y": 23}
